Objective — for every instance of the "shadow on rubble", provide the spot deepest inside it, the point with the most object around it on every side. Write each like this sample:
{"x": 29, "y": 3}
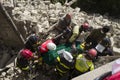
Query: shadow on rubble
{"x": 41, "y": 73}
{"x": 7, "y": 57}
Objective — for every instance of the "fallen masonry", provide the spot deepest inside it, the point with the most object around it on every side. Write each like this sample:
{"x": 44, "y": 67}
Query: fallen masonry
{"x": 41, "y": 18}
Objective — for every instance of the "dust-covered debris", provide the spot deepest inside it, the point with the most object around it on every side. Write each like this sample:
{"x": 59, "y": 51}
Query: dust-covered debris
{"x": 45, "y": 14}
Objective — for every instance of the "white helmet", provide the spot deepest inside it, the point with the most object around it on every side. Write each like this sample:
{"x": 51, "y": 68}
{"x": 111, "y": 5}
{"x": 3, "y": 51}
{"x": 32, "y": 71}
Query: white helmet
{"x": 51, "y": 46}
{"x": 68, "y": 56}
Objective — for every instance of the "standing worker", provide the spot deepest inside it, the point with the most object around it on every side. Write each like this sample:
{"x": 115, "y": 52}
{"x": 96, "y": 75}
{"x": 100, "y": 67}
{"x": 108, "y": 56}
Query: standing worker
{"x": 64, "y": 65}
{"x": 46, "y": 46}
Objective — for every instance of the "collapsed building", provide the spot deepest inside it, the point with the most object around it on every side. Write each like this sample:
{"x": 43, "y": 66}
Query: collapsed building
{"x": 20, "y": 18}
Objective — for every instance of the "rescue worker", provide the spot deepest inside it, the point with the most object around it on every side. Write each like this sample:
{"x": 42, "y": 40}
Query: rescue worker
{"x": 64, "y": 23}
{"x": 64, "y": 65}
{"x": 64, "y": 27}
{"x": 104, "y": 48}
{"x": 70, "y": 35}
{"x": 96, "y": 36}
{"x": 77, "y": 32}
{"x": 84, "y": 62}
{"x": 23, "y": 59}
{"x": 50, "y": 56}
{"x": 46, "y": 46}
{"x": 85, "y": 27}
{"x": 32, "y": 42}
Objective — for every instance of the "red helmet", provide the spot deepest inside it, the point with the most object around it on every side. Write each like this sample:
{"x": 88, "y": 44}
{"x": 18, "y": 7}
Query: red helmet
{"x": 92, "y": 52}
{"x": 68, "y": 16}
{"x": 26, "y": 53}
{"x": 86, "y": 25}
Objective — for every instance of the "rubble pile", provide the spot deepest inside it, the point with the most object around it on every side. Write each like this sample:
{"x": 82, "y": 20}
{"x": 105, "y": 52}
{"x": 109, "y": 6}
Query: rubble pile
{"x": 45, "y": 14}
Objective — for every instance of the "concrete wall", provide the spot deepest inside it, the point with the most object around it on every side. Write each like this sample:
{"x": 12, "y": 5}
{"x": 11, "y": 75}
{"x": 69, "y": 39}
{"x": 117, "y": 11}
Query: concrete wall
{"x": 7, "y": 33}
{"x": 95, "y": 73}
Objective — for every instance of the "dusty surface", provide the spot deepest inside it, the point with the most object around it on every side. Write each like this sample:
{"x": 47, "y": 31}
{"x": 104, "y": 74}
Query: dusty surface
{"x": 42, "y": 15}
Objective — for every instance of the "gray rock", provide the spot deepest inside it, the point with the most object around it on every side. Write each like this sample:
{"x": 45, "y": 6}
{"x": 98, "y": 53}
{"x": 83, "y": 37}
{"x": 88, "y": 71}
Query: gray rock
{"x": 116, "y": 50}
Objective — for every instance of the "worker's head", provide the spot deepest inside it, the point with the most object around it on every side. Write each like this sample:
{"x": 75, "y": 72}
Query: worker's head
{"x": 26, "y": 54}
{"x": 116, "y": 66}
{"x": 33, "y": 39}
{"x": 85, "y": 25}
{"x": 68, "y": 18}
{"x": 68, "y": 56}
{"x": 51, "y": 46}
{"x": 92, "y": 53}
{"x": 106, "y": 42}
{"x": 105, "y": 29}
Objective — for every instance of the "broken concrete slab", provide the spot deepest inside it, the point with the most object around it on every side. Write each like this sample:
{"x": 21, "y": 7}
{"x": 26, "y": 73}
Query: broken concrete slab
{"x": 95, "y": 73}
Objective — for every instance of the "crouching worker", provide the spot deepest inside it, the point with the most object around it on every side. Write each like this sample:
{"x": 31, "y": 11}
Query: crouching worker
{"x": 84, "y": 62}
{"x": 23, "y": 59}
{"x": 64, "y": 65}
{"x": 32, "y": 42}
{"x": 47, "y": 46}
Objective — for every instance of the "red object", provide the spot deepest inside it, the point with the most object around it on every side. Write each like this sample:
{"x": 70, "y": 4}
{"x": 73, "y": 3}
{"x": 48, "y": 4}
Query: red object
{"x": 92, "y": 52}
{"x": 68, "y": 16}
{"x": 43, "y": 48}
{"x": 26, "y": 53}
{"x": 113, "y": 77}
{"x": 85, "y": 25}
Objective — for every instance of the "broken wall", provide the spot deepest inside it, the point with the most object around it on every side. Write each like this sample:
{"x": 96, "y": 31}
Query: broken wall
{"x": 7, "y": 33}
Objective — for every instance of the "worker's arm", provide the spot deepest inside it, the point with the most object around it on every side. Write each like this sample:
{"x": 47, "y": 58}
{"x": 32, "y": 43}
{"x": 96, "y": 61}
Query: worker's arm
{"x": 92, "y": 67}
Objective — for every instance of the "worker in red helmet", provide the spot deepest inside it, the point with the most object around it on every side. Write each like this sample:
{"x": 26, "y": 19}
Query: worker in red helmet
{"x": 79, "y": 31}
{"x": 64, "y": 27}
{"x": 85, "y": 27}
{"x": 47, "y": 45}
{"x": 43, "y": 49}
{"x": 23, "y": 58}
{"x": 64, "y": 23}
{"x": 84, "y": 62}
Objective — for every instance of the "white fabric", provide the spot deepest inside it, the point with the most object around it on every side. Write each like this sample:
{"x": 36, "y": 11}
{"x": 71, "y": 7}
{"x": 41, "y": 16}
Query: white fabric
{"x": 51, "y": 46}
{"x": 100, "y": 48}
{"x": 60, "y": 51}
{"x": 116, "y": 66}
{"x": 68, "y": 56}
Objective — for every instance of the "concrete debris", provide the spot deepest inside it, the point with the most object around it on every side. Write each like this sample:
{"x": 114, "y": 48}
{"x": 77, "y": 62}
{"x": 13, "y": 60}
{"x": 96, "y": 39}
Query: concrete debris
{"x": 43, "y": 14}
